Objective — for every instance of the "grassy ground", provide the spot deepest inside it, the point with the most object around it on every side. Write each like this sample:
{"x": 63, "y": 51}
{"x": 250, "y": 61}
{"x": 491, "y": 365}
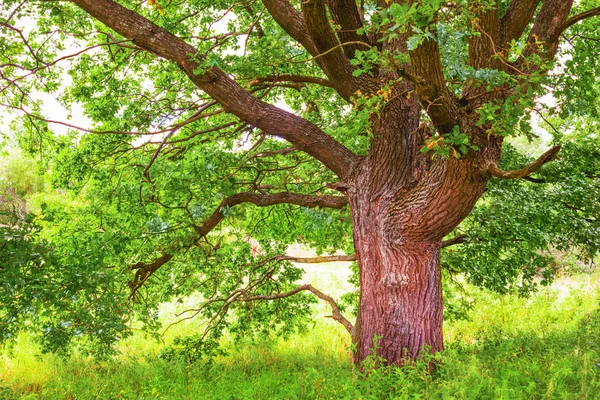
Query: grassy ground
{"x": 544, "y": 347}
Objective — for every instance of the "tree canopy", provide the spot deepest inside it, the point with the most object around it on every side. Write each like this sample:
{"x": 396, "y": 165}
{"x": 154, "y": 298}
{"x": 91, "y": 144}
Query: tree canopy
{"x": 222, "y": 132}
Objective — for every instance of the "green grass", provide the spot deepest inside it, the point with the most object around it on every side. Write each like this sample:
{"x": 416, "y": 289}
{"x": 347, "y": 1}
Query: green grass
{"x": 544, "y": 347}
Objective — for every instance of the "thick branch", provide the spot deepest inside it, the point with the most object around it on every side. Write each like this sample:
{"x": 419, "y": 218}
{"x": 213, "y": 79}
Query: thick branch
{"x": 346, "y": 15}
{"x": 547, "y": 26}
{"x": 434, "y": 95}
{"x": 579, "y": 17}
{"x": 337, "y": 65}
{"x": 336, "y": 314}
{"x": 293, "y": 78}
{"x": 516, "y": 19}
{"x": 291, "y": 21}
{"x": 524, "y": 172}
{"x": 334, "y": 63}
{"x": 484, "y": 46}
{"x": 234, "y": 99}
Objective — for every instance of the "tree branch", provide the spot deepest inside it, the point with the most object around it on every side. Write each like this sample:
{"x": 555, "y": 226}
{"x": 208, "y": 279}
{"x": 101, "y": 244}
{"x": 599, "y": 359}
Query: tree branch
{"x": 345, "y": 14}
{"x": 455, "y": 240}
{"x": 524, "y": 172}
{"x": 336, "y": 65}
{"x": 291, "y": 21}
{"x": 145, "y": 270}
{"x": 351, "y": 257}
{"x": 517, "y": 17}
{"x": 435, "y": 97}
{"x": 336, "y": 314}
{"x": 579, "y": 17}
{"x": 484, "y": 46}
{"x": 320, "y": 259}
{"x": 263, "y": 200}
{"x": 234, "y": 99}
{"x": 547, "y": 26}
{"x": 293, "y": 78}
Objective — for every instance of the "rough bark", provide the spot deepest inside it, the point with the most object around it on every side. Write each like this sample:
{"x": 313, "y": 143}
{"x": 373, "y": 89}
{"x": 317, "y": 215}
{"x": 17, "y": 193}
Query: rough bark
{"x": 397, "y": 239}
{"x": 402, "y": 206}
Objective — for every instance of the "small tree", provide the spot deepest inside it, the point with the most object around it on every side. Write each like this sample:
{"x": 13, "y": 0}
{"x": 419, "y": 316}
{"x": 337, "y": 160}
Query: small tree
{"x": 396, "y": 119}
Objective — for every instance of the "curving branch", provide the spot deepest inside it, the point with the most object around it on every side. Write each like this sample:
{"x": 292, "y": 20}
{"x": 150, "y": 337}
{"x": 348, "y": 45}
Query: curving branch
{"x": 145, "y": 270}
{"x": 335, "y": 311}
{"x": 548, "y": 156}
{"x": 263, "y": 200}
{"x": 222, "y": 88}
{"x": 579, "y": 17}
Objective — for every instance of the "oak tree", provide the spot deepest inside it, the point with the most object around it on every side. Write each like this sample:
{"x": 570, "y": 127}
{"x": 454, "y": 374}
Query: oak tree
{"x": 221, "y": 132}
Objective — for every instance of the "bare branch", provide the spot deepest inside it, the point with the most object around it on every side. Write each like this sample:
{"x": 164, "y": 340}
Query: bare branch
{"x": 526, "y": 171}
{"x": 336, "y": 314}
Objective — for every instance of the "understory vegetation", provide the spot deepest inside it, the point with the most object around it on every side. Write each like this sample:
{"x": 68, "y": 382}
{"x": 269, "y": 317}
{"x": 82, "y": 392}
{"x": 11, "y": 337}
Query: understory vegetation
{"x": 546, "y": 346}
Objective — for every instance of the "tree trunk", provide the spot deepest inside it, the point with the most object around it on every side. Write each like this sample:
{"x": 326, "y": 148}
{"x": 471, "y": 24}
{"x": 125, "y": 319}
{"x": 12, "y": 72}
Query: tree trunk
{"x": 400, "y": 300}
{"x": 398, "y": 230}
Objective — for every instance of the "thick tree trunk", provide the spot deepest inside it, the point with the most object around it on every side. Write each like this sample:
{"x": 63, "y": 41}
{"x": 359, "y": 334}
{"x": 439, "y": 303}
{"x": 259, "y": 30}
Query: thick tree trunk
{"x": 398, "y": 229}
{"x": 401, "y": 300}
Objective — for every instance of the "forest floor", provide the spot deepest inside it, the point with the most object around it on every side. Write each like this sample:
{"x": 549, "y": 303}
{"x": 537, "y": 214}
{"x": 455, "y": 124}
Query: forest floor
{"x": 546, "y": 346}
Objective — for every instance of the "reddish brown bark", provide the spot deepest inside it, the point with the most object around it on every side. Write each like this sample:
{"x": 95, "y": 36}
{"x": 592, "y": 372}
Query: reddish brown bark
{"x": 400, "y": 300}
{"x": 397, "y": 237}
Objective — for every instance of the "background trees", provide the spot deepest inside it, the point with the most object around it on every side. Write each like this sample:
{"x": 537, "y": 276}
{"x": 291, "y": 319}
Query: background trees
{"x": 193, "y": 178}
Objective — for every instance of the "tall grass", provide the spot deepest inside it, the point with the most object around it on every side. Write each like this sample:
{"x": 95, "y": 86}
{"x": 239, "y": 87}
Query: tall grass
{"x": 544, "y": 347}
